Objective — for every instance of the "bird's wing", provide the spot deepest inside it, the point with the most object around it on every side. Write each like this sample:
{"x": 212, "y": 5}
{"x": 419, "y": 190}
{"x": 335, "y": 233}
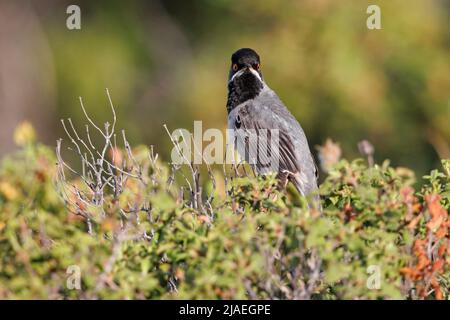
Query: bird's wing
{"x": 258, "y": 125}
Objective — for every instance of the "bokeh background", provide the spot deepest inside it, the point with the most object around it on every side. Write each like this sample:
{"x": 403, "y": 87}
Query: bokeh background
{"x": 166, "y": 62}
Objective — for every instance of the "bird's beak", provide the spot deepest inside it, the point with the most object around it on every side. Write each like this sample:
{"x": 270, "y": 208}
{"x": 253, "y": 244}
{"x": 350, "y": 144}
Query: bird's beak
{"x": 246, "y": 70}
{"x": 249, "y": 69}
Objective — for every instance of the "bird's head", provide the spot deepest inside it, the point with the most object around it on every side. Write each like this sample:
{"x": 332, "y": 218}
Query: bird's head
{"x": 245, "y": 65}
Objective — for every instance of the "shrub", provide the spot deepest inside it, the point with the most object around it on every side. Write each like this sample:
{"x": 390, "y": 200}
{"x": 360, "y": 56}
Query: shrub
{"x": 135, "y": 233}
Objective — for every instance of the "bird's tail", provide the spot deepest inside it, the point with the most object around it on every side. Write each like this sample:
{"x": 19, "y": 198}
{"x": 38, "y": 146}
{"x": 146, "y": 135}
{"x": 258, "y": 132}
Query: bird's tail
{"x": 309, "y": 190}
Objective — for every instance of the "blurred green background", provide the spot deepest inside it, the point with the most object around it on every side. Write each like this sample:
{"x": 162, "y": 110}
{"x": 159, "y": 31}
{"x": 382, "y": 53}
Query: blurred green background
{"x": 166, "y": 62}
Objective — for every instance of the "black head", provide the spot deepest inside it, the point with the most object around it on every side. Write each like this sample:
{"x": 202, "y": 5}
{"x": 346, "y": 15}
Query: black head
{"x": 245, "y": 80}
{"x": 245, "y": 59}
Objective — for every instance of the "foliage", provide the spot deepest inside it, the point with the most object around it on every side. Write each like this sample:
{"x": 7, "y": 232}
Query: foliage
{"x": 148, "y": 241}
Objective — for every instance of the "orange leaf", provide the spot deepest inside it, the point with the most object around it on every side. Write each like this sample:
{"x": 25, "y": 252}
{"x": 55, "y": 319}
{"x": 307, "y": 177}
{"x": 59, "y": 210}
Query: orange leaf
{"x": 441, "y": 232}
{"x": 409, "y": 272}
{"x": 438, "y": 293}
{"x": 437, "y": 289}
{"x": 441, "y": 250}
{"x": 204, "y": 218}
{"x": 423, "y": 262}
{"x": 437, "y": 212}
{"x": 435, "y": 223}
{"x": 437, "y": 265}
{"x": 412, "y": 225}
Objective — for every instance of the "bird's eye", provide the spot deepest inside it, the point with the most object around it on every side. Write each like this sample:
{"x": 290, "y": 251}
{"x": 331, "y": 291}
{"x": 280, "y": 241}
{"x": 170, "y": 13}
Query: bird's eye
{"x": 235, "y": 67}
{"x": 256, "y": 66}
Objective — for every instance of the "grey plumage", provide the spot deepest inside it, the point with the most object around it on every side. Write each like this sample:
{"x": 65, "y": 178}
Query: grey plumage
{"x": 253, "y": 108}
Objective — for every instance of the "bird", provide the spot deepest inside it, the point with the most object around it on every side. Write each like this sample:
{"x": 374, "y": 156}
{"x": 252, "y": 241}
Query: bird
{"x": 254, "y": 112}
